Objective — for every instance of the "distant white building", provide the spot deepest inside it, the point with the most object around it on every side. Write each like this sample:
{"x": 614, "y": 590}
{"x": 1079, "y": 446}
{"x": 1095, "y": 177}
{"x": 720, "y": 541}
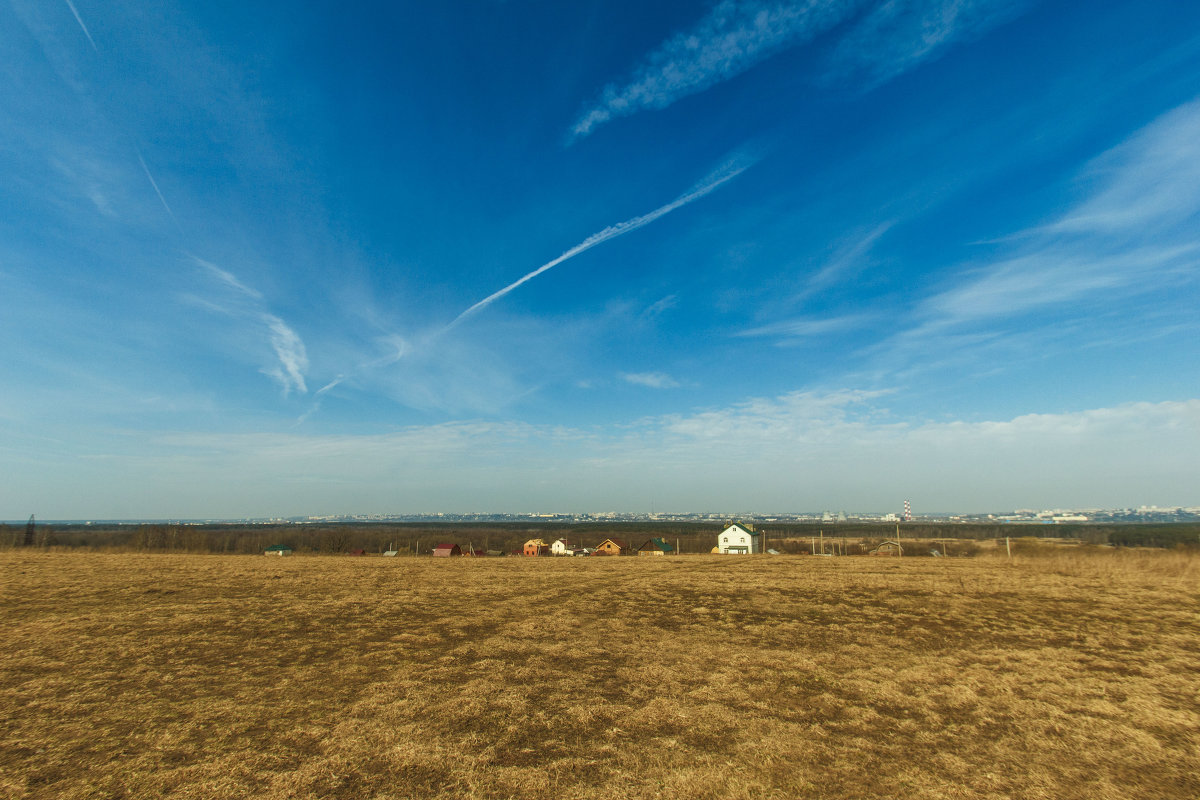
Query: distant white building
{"x": 739, "y": 540}
{"x": 561, "y": 548}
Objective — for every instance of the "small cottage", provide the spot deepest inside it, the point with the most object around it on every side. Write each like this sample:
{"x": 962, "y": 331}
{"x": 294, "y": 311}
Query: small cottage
{"x": 278, "y": 550}
{"x": 536, "y": 547}
{"x": 611, "y": 547}
{"x": 739, "y": 539}
{"x": 657, "y": 546}
{"x": 445, "y": 550}
{"x": 561, "y": 548}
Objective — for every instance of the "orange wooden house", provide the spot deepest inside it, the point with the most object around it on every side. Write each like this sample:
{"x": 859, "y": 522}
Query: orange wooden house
{"x": 611, "y": 547}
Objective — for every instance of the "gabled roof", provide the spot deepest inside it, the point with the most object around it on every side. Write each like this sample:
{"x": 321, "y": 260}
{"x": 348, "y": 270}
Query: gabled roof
{"x": 621, "y": 543}
{"x": 741, "y": 528}
{"x": 446, "y": 546}
{"x": 659, "y": 543}
{"x": 537, "y": 542}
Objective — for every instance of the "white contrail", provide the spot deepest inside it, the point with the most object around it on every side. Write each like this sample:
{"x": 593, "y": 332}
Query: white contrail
{"x": 154, "y": 183}
{"x": 79, "y": 19}
{"x": 722, "y": 175}
{"x": 726, "y": 172}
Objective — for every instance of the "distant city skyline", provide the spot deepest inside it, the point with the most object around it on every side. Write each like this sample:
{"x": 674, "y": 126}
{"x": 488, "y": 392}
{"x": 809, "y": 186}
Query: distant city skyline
{"x": 1041, "y": 516}
{"x": 279, "y": 260}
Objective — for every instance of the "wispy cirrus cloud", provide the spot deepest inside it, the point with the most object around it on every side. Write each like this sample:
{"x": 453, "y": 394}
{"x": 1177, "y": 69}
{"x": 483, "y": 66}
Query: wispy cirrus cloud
{"x": 1146, "y": 184}
{"x": 652, "y": 380}
{"x": 1056, "y": 275}
{"x": 289, "y": 349}
{"x": 290, "y": 355}
{"x": 803, "y": 327}
{"x": 849, "y": 259}
{"x": 888, "y": 38}
{"x": 896, "y": 35}
{"x": 1134, "y": 231}
{"x": 227, "y": 278}
{"x": 1137, "y": 228}
{"x": 729, "y": 40}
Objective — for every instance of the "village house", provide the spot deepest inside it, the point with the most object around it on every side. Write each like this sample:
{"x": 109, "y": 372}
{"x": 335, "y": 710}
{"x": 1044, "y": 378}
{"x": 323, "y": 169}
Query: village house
{"x": 611, "y": 547}
{"x": 278, "y": 550}
{"x": 561, "y": 548}
{"x": 657, "y": 546}
{"x": 739, "y": 539}
{"x": 536, "y": 547}
{"x": 445, "y": 550}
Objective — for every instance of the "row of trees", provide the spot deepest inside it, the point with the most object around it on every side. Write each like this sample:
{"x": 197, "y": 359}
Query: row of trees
{"x": 409, "y": 538}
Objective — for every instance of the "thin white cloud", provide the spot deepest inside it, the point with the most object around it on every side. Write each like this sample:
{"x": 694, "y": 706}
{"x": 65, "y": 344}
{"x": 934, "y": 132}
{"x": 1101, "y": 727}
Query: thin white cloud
{"x": 1135, "y": 231}
{"x": 331, "y": 385}
{"x": 730, "y": 39}
{"x": 888, "y": 38}
{"x": 848, "y": 260}
{"x": 291, "y": 357}
{"x": 652, "y": 380}
{"x": 660, "y": 306}
{"x": 228, "y": 278}
{"x": 727, "y": 172}
{"x": 771, "y": 421}
{"x": 1054, "y": 276}
{"x": 896, "y": 35}
{"x": 91, "y": 176}
{"x": 79, "y": 19}
{"x": 808, "y": 327}
{"x": 794, "y": 452}
{"x": 1146, "y": 183}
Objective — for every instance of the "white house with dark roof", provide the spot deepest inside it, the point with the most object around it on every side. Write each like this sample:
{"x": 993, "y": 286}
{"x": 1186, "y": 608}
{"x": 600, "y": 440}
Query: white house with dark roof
{"x": 739, "y": 539}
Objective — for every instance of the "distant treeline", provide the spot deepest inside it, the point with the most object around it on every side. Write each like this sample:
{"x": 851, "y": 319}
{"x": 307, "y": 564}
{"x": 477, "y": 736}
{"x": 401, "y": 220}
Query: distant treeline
{"x": 412, "y": 538}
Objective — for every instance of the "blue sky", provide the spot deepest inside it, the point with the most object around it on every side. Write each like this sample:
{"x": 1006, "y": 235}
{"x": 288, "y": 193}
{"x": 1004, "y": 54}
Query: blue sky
{"x": 756, "y": 255}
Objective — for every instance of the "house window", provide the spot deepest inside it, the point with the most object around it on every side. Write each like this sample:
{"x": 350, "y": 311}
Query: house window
{"x": 725, "y": 540}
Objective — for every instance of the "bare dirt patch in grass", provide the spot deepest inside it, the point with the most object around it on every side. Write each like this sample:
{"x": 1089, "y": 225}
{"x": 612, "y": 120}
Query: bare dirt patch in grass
{"x": 697, "y": 677}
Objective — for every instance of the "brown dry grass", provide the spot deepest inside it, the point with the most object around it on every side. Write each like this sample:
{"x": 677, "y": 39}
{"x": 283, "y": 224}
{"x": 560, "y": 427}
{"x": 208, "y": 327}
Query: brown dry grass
{"x": 1075, "y": 675}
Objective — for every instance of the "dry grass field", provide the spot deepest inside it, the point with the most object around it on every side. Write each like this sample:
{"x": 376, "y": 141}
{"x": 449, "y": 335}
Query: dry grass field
{"x": 127, "y": 675}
